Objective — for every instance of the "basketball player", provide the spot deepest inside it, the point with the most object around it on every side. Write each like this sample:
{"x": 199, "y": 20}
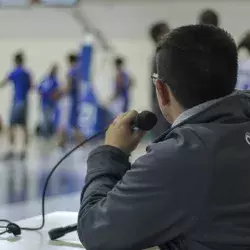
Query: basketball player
{"x": 50, "y": 93}
{"x": 72, "y": 92}
{"x": 21, "y": 80}
{"x": 210, "y": 17}
{"x": 119, "y": 101}
{"x": 243, "y": 81}
{"x": 157, "y": 31}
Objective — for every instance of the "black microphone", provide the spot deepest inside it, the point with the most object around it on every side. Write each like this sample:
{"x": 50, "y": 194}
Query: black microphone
{"x": 59, "y": 232}
{"x": 145, "y": 121}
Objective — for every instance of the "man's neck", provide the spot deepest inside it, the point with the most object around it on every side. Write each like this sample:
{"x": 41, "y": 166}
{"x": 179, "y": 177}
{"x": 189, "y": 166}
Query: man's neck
{"x": 175, "y": 112}
{"x": 196, "y": 109}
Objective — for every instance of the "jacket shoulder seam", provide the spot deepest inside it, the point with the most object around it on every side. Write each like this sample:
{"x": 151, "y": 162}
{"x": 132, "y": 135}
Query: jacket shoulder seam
{"x": 198, "y": 136}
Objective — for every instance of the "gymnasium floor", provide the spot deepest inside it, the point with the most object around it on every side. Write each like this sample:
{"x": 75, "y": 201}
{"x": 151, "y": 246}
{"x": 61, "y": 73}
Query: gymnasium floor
{"x": 21, "y": 183}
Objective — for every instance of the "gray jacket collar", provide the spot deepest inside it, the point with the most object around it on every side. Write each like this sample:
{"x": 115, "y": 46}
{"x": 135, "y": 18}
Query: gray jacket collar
{"x": 232, "y": 108}
{"x": 199, "y": 108}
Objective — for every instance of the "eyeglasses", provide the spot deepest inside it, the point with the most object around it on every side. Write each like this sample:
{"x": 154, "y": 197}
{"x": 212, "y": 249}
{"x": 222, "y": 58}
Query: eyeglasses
{"x": 155, "y": 78}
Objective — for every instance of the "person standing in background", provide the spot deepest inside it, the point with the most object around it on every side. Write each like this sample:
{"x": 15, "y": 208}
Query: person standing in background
{"x": 119, "y": 102}
{"x": 50, "y": 93}
{"x": 209, "y": 17}
{"x": 243, "y": 82}
{"x": 73, "y": 94}
{"x": 21, "y": 79}
{"x": 157, "y": 31}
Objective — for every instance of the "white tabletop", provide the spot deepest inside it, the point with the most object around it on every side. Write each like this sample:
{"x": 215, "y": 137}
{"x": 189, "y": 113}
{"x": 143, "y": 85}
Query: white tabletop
{"x": 40, "y": 240}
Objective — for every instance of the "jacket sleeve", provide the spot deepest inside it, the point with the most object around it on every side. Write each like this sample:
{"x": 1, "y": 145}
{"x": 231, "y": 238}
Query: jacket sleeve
{"x": 155, "y": 201}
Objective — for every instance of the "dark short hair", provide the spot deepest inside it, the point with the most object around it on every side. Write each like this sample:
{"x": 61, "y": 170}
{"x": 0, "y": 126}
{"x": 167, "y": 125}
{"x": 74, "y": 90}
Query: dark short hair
{"x": 119, "y": 61}
{"x": 53, "y": 70}
{"x": 199, "y": 63}
{"x": 72, "y": 58}
{"x": 209, "y": 16}
{"x": 158, "y": 29}
{"x": 19, "y": 58}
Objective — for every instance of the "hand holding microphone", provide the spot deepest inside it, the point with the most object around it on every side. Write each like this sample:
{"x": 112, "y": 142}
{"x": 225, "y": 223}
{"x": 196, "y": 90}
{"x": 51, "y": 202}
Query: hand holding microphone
{"x": 121, "y": 134}
{"x": 124, "y": 133}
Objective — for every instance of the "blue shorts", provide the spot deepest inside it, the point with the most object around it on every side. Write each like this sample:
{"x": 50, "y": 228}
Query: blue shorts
{"x": 18, "y": 114}
{"x": 48, "y": 115}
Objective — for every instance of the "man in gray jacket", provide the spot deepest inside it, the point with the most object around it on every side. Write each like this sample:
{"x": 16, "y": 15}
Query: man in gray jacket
{"x": 191, "y": 190}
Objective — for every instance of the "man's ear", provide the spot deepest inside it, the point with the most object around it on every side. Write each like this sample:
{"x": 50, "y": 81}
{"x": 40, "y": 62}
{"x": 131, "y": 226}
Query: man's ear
{"x": 163, "y": 93}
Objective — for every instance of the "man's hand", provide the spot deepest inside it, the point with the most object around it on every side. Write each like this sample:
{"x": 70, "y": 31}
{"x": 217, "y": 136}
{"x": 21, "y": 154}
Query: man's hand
{"x": 121, "y": 135}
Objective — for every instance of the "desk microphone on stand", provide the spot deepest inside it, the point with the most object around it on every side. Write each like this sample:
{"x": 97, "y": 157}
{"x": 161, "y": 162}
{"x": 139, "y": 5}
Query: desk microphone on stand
{"x": 145, "y": 121}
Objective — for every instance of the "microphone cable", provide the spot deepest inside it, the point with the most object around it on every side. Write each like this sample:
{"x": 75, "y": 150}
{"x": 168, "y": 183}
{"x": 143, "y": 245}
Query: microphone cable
{"x": 16, "y": 229}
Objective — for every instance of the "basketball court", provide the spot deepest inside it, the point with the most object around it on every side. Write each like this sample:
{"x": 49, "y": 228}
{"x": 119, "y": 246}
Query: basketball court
{"x": 46, "y": 30}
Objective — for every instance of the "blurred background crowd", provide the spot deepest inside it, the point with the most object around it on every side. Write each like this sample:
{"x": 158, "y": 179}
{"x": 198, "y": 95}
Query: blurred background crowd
{"x": 69, "y": 67}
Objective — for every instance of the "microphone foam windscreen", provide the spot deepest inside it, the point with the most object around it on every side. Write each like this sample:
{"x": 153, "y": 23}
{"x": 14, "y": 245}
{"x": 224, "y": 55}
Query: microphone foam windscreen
{"x": 146, "y": 120}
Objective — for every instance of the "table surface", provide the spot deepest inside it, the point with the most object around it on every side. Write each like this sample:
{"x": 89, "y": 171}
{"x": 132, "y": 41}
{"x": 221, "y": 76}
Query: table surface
{"x": 40, "y": 240}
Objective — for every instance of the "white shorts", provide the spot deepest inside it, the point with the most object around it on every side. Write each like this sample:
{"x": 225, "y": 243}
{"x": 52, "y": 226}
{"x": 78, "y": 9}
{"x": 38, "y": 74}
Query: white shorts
{"x": 64, "y": 107}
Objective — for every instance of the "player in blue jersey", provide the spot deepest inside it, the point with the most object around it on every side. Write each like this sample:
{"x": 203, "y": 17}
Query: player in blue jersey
{"x": 209, "y": 17}
{"x": 50, "y": 94}
{"x": 21, "y": 82}
{"x": 73, "y": 94}
{"x": 119, "y": 102}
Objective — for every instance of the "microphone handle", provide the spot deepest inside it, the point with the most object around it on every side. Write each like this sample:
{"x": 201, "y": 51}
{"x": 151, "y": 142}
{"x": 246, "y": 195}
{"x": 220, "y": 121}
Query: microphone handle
{"x": 59, "y": 232}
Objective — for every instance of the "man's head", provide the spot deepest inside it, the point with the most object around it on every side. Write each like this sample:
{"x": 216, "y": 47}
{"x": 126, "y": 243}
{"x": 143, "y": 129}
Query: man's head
{"x": 158, "y": 30}
{"x": 119, "y": 63}
{"x": 72, "y": 59}
{"x": 54, "y": 70}
{"x": 210, "y": 17}
{"x": 195, "y": 64}
{"x": 19, "y": 58}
